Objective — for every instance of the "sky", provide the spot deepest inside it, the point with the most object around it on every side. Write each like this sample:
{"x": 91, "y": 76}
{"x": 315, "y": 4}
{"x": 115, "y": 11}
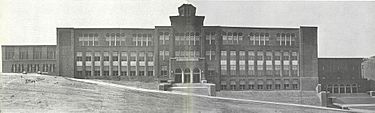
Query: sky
{"x": 345, "y": 29}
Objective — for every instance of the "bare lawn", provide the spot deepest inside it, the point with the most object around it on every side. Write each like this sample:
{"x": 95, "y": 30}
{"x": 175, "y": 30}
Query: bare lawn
{"x": 57, "y": 94}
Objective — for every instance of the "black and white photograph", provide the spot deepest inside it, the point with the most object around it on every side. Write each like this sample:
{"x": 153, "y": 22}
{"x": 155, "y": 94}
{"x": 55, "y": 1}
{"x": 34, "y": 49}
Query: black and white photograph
{"x": 187, "y": 56}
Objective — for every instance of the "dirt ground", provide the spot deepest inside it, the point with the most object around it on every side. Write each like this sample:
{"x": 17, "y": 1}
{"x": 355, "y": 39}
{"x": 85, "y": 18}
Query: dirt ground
{"x": 57, "y": 94}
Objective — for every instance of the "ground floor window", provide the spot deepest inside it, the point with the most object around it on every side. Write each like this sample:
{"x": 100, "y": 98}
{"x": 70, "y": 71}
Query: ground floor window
{"x": 268, "y": 86}
{"x": 260, "y": 86}
{"x": 295, "y": 86}
{"x": 335, "y": 89}
{"x": 348, "y": 90}
{"x": 242, "y": 87}
{"x": 79, "y": 73}
{"x": 223, "y": 87}
{"x": 115, "y": 73}
{"x": 141, "y": 73}
{"x": 88, "y": 73}
{"x": 105, "y": 73}
{"x": 232, "y": 87}
{"x": 150, "y": 73}
{"x": 132, "y": 73}
{"x": 124, "y": 73}
{"x": 286, "y": 86}
{"x": 251, "y": 86}
{"x": 342, "y": 88}
{"x": 96, "y": 73}
{"x": 277, "y": 86}
{"x": 164, "y": 72}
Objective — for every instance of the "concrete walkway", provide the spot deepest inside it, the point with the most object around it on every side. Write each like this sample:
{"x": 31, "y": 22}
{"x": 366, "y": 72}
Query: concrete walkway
{"x": 204, "y": 96}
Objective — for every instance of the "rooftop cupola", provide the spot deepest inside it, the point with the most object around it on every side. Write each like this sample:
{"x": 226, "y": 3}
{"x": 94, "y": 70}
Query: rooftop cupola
{"x": 186, "y": 10}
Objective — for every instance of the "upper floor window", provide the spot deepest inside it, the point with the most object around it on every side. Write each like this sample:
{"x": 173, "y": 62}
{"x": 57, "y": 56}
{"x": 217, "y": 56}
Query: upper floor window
{"x": 251, "y": 55}
{"x": 286, "y": 56}
{"x": 188, "y": 38}
{"x": 210, "y": 55}
{"x": 277, "y": 55}
{"x": 286, "y": 39}
{"x": 231, "y": 38}
{"x": 88, "y": 39}
{"x": 37, "y": 53}
{"x": 163, "y": 38}
{"x": 260, "y": 55}
{"x": 268, "y": 55}
{"x": 23, "y": 53}
{"x": 223, "y": 55}
{"x": 210, "y": 38}
{"x": 9, "y": 53}
{"x": 51, "y": 53}
{"x": 233, "y": 55}
{"x": 141, "y": 40}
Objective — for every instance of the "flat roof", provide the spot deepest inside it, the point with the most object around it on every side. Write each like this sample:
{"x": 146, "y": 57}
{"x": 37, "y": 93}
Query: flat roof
{"x": 24, "y": 45}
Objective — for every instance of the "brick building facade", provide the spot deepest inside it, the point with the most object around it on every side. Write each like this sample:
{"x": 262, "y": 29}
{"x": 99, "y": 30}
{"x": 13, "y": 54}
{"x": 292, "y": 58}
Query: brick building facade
{"x": 29, "y": 58}
{"x": 342, "y": 75}
{"x": 233, "y": 58}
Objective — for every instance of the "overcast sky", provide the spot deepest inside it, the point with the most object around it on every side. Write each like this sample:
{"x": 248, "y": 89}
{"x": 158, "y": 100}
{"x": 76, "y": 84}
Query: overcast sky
{"x": 345, "y": 28}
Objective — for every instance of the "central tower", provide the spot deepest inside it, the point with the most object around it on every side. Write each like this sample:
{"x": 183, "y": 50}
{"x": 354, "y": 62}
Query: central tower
{"x": 187, "y": 56}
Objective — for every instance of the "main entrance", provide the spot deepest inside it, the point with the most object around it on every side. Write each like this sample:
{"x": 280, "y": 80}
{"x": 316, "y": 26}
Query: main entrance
{"x": 187, "y": 76}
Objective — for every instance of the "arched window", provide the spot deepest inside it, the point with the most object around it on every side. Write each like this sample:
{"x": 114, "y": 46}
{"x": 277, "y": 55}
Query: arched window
{"x": 178, "y": 70}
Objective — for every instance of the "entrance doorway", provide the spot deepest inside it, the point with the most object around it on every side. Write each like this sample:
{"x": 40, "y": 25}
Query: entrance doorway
{"x": 187, "y": 76}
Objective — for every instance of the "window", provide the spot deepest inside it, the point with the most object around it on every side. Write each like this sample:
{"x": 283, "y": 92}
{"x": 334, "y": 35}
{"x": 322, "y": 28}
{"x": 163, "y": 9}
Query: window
{"x": 210, "y": 55}
{"x": 269, "y": 86}
{"x": 106, "y": 56}
{"x": 223, "y": 62}
{"x": 286, "y": 56}
{"x": 260, "y": 55}
{"x": 251, "y": 39}
{"x": 79, "y": 56}
{"x": 293, "y": 40}
{"x": 141, "y": 73}
{"x": 37, "y": 53}
{"x": 294, "y": 56}
{"x": 286, "y": 84}
{"x": 267, "y": 39}
{"x": 96, "y": 73}
{"x": 141, "y": 56}
{"x": 225, "y": 38}
{"x": 278, "y": 38}
{"x": 242, "y": 67}
{"x": 260, "y": 86}
{"x": 79, "y": 73}
{"x": 88, "y": 56}
{"x": 287, "y": 40}
{"x": 277, "y": 86}
{"x": 251, "y": 86}
{"x": 97, "y": 56}
{"x": 9, "y": 53}
{"x": 105, "y": 73}
{"x": 149, "y": 40}
{"x": 51, "y": 53}
{"x": 210, "y": 37}
{"x": 251, "y": 55}
{"x": 242, "y": 86}
{"x": 223, "y": 85}
{"x": 164, "y": 70}
{"x": 88, "y": 73}
{"x": 88, "y": 39}
{"x": 134, "y": 40}
{"x": 295, "y": 86}
{"x": 122, "y": 39}
{"x": 124, "y": 73}
{"x": 261, "y": 39}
